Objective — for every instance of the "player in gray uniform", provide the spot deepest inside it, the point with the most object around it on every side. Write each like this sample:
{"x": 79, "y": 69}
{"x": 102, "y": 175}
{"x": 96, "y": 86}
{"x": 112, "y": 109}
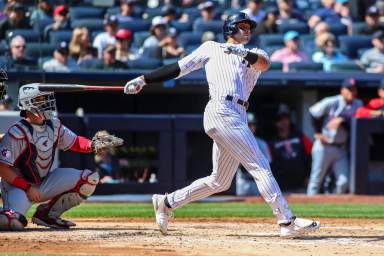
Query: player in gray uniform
{"x": 232, "y": 72}
{"x": 26, "y": 156}
{"x": 331, "y": 118}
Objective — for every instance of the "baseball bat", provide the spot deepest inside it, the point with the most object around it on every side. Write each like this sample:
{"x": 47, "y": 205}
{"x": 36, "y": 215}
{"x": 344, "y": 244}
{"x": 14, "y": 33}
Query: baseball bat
{"x": 77, "y": 88}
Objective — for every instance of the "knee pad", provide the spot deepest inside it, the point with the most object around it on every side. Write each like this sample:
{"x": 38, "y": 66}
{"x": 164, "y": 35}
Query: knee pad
{"x": 10, "y": 220}
{"x": 87, "y": 183}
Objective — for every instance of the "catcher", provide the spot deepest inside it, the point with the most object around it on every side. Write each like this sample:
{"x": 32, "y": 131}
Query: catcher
{"x": 26, "y": 156}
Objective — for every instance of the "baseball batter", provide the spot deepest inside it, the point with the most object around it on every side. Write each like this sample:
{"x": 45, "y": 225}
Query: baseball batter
{"x": 232, "y": 72}
{"x": 26, "y": 156}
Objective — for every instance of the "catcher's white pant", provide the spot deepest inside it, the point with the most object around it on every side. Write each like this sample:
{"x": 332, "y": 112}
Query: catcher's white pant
{"x": 58, "y": 181}
{"x": 226, "y": 123}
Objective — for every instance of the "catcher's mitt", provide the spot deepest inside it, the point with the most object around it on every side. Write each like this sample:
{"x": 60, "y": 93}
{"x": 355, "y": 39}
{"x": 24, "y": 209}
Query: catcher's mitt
{"x": 103, "y": 141}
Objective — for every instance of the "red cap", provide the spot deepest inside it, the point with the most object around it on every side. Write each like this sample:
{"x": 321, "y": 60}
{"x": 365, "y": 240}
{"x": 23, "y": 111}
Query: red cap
{"x": 60, "y": 9}
{"x": 123, "y": 34}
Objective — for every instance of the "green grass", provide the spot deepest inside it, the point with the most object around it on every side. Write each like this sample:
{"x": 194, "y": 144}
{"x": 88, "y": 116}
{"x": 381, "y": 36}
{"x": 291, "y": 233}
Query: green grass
{"x": 221, "y": 210}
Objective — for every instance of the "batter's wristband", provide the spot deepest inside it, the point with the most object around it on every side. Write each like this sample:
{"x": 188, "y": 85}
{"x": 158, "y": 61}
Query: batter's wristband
{"x": 21, "y": 183}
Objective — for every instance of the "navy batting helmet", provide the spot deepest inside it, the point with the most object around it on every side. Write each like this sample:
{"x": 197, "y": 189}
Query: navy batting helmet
{"x": 230, "y": 28}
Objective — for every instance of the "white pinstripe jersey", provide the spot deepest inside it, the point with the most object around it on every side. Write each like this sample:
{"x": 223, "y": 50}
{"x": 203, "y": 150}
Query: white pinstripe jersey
{"x": 227, "y": 74}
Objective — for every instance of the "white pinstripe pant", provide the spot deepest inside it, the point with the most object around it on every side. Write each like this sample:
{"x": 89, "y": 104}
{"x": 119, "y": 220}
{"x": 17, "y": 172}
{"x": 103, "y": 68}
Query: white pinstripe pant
{"x": 234, "y": 143}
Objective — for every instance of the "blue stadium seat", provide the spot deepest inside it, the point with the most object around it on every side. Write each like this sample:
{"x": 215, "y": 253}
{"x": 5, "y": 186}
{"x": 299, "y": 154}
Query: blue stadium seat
{"x": 113, "y": 10}
{"x": 40, "y": 24}
{"x": 272, "y": 48}
{"x": 271, "y": 40}
{"x": 153, "y": 52}
{"x": 85, "y": 12}
{"x": 307, "y": 43}
{"x": 351, "y": 44}
{"x": 345, "y": 66}
{"x": 37, "y": 50}
{"x": 55, "y": 37}
{"x": 95, "y": 33}
{"x": 299, "y": 27}
{"x": 338, "y": 29}
{"x": 191, "y": 48}
{"x": 181, "y": 26}
{"x": 215, "y": 26}
{"x": 91, "y": 24}
{"x": 149, "y": 13}
{"x": 361, "y": 51}
{"x": 137, "y": 13}
{"x": 305, "y": 66}
{"x": 190, "y": 38}
{"x": 193, "y": 13}
{"x": 136, "y": 25}
{"x": 29, "y": 35}
{"x": 144, "y": 63}
{"x": 276, "y": 66}
{"x": 139, "y": 38}
{"x": 357, "y": 27}
{"x": 91, "y": 64}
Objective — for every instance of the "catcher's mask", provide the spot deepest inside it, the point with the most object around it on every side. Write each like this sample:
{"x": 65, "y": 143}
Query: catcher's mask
{"x": 3, "y": 87}
{"x": 37, "y": 102}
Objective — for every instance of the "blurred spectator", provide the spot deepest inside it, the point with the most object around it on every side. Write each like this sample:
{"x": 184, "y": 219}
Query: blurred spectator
{"x": 287, "y": 13}
{"x": 290, "y": 53}
{"x": 109, "y": 59}
{"x": 123, "y": 44}
{"x": 17, "y": 59}
{"x": 158, "y": 33}
{"x": 331, "y": 117}
{"x": 171, "y": 48}
{"x": 108, "y": 37}
{"x": 373, "y": 59}
{"x": 328, "y": 53}
{"x": 375, "y": 107}
{"x": 207, "y": 12}
{"x": 327, "y": 14}
{"x": 60, "y": 20}
{"x": 168, "y": 13}
{"x": 321, "y": 28}
{"x": 43, "y": 11}
{"x": 342, "y": 8}
{"x": 268, "y": 25}
{"x": 291, "y": 152}
{"x": 6, "y": 104}
{"x": 245, "y": 184}
{"x": 61, "y": 61}
{"x": 372, "y": 19}
{"x": 79, "y": 43}
{"x": 16, "y": 19}
{"x": 254, "y": 10}
{"x": 127, "y": 8}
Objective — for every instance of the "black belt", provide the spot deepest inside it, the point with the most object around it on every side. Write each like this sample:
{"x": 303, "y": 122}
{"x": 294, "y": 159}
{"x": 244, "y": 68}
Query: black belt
{"x": 238, "y": 101}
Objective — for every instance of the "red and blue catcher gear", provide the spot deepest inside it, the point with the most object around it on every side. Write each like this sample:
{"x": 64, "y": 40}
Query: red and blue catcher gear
{"x": 230, "y": 24}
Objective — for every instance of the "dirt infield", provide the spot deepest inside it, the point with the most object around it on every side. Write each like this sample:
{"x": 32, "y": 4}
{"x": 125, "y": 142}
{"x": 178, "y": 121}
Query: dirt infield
{"x": 197, "y": 237}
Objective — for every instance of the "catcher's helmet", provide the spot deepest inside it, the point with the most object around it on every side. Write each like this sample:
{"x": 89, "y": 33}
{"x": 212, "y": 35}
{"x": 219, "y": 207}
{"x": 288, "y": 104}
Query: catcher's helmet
{"x": 3, "y": 78}
{"x": 230, "y": 28}
{"x": 35, "y": 101}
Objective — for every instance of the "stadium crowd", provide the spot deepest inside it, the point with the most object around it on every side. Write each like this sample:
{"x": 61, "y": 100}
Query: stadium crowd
{"x": 70, "y": 35}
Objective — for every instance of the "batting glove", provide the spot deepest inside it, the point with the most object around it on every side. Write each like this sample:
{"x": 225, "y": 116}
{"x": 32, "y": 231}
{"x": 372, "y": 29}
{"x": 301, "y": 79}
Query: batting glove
{"x": 235, "y": 49}
{"x": 134, "y": 86}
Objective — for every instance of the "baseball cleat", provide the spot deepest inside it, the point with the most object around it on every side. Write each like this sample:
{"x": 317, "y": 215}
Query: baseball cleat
{"x": 162, "y": 212}
{"x": 298, "y": 227}
{"x": 42, "y": 218}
